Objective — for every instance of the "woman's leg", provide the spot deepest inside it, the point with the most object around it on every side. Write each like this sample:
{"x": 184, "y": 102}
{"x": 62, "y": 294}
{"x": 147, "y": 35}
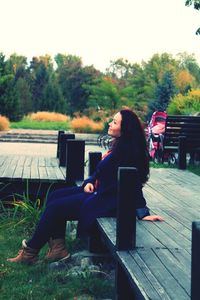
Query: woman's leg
{"x": 53, "y": 221}
{"x": 61, "y": 193}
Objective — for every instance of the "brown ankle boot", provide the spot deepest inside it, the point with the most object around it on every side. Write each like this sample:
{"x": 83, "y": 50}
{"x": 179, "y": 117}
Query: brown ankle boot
{"x": 26, "y": 255}
{"x": 57, "y": 250}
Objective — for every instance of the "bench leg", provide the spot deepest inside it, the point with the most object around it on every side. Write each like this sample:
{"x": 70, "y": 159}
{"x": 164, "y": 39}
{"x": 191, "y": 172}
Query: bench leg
{"x": 123, "y": 290}
{"x": 182, "y": 153}
{"x": 95, "y": 243}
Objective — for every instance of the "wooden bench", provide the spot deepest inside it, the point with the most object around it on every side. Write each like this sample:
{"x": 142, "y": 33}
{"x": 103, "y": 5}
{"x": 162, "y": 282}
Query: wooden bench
{"x": 182, "y": 136}
{"x": 153, "y": 259}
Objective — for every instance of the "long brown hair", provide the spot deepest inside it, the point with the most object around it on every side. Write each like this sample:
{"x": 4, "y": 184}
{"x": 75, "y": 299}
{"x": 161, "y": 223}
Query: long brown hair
{"x": 133, "y": 137}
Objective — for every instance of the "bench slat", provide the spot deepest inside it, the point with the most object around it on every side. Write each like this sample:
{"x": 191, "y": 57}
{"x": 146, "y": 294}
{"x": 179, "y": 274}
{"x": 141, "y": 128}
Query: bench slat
{"x": 161, "y": 268}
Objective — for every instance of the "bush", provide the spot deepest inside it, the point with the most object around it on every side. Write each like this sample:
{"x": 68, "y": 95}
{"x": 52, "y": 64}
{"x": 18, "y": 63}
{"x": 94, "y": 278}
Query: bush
{"x": 84, "y": 124}
{"x": 4, "y": 123}
{"x": 48, "y": 116}
{"x": 185, "y": 105}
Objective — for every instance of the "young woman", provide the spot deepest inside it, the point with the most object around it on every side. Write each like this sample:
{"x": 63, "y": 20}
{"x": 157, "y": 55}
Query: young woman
{"x": 97, "y": 196}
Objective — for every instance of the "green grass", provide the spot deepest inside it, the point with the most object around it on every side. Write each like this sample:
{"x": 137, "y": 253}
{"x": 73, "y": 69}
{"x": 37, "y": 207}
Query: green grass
{"x": 45, "y": 125}
{"x": 19, "y": 281}
{"x": 192, "y": 168}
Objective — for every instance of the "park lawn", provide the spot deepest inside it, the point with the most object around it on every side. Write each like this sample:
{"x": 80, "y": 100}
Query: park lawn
{"x": 18, "y": 281}
{"x": 44, "y": 125}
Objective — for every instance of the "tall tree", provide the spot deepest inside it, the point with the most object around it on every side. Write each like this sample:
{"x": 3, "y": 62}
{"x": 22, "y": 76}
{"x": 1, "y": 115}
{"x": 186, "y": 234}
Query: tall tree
{"x": 74, "y": 79}
{"x": 164, "y": 92}
{"x": 40, "y": 77}
{"x": 23, "y": 93}
{"x": 2, "y": 64}
{"x": 9, "y": 101}
{"x": 104, "y": 95}
{"x": 189, "y": 62}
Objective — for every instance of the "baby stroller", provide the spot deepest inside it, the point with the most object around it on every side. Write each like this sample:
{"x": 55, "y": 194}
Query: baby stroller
{"x": 155, "y": 132}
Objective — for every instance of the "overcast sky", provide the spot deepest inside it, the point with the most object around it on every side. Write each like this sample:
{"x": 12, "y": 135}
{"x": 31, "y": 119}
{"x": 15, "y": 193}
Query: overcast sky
{"x": 99, "y": 30}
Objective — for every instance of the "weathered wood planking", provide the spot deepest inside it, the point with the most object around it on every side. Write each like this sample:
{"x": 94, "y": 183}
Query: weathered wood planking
{"x": 153, "y": 234}
{"x": 34, "y": 168}
{"x": 162, "y": 273}
{"x": 160, "y": 265}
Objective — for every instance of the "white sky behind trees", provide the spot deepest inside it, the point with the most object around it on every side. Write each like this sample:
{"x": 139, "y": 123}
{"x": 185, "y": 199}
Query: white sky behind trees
{"x": 99, "y": 31}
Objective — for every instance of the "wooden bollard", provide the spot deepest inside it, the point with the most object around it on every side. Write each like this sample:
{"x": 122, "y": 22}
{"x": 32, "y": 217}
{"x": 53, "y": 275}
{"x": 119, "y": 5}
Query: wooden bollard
{"x": 64, "y": 137}
{"x": 126, "y": 209}
{"x": 75, "y": 159}
{"x": 94, "y": 159}
{"x": 195, "y": 265}
{"x": 182, "y": 153}
{"x": 58, "y": 142}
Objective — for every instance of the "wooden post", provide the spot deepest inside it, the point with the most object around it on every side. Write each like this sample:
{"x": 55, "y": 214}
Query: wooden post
{"x": 195, "y": 270}
{"x": 94, "y": 242}
{"x": 126, "y": 210}
{"x": 94, "y": 159}
{"x": 64, "y": 137}
{"x": 58, "y": 142}
{"x": 75, "y": 158}
{"x": 182, "y": 153}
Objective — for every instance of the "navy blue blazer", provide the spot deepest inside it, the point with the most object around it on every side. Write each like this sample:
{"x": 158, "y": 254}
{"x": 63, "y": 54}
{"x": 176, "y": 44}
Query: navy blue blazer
{"x": 103, "y": 202}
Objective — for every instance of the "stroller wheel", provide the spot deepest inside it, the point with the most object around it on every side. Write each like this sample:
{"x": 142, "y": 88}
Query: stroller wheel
{"x": 172, "y": 159}
{"x": 157, "y": 157}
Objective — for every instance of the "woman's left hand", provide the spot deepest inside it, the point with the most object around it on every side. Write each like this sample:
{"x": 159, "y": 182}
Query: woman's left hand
{"x": 153, "y": 218}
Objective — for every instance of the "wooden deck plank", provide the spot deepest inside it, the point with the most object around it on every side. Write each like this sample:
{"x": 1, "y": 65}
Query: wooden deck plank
{"x": 10, "y": 166}
{"x": 159, "y": 269}
{"x": 43, "y": 173}
{"x": 33, "y": 168}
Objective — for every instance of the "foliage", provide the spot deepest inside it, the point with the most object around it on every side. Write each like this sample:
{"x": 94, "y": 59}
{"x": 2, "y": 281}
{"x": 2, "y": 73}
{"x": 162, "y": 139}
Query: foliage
{"x": 184, "y": 81}
{"x": 4, "y": 123}
{"x": 84, "y": 124}
{"x": 196, "y": 4}
{"x": 164, "y": 92}
{"x": 73, "y": 79}
{"x": 105, "y": 95}
{"x": 68, "y": 87}
{"x": 9, "y": 102}
{"x": 185, "y": 105}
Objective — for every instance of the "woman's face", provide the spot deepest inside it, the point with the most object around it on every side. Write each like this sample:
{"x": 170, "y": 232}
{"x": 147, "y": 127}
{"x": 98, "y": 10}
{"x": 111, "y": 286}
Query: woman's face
{"x": 114, "y": 129}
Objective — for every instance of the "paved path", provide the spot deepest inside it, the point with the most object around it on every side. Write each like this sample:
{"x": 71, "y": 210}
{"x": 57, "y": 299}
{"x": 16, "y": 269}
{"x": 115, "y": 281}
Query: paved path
{"x": 38, "y": 149}
{"x": 42, "y": 136}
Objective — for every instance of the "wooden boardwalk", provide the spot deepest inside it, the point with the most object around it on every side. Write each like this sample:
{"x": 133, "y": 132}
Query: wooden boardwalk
{"x": 32, "y": 175}
{"x": 33, "y": 168}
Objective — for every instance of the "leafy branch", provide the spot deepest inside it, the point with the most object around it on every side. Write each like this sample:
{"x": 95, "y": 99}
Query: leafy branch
{"x": 196, "y": 4}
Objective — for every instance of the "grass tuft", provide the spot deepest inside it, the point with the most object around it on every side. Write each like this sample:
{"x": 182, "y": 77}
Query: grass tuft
{"x": 48, "y": 116}
{"x": 4, "y": 123}
{"x": 86, "y": 125}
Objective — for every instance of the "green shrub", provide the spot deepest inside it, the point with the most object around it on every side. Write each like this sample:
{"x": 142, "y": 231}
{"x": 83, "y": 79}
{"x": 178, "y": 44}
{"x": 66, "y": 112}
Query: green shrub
{"x": 185, "y": 105}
